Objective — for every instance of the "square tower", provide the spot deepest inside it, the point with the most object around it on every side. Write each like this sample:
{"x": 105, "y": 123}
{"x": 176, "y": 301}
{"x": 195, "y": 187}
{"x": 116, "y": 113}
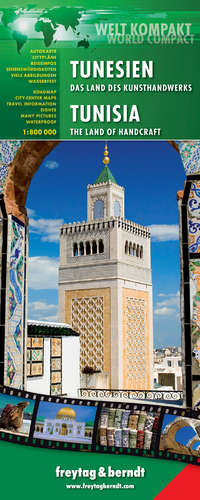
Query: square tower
{"x": 105, "y": 287}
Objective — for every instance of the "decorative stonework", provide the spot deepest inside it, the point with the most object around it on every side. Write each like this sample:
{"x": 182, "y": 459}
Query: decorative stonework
{"x": 136, "y": 363}
{"x": 88, "y": 311}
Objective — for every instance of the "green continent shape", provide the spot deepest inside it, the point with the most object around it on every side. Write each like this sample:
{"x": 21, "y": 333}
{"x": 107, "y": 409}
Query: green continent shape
{"x": 20, "y": 40}
{"x": 47, "y": 30}
{"x": 64, "y": 16}
{"x": 83, "y": 43}
{"x": 9, "y": 15}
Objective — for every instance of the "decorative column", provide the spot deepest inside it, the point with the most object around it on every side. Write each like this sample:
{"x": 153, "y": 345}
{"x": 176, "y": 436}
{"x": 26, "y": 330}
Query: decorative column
{"x": 18, "y": 163}
{"x": 190, "y": 269}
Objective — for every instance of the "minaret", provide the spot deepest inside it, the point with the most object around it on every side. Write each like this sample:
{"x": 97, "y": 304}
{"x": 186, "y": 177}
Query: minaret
{"x": 105, "y": 287}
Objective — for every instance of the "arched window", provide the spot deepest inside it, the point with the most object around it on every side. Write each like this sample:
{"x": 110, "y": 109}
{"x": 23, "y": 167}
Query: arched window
{"x": 94, "y": 247}
{"x": 81, "y": 248}
{"x": 87, "y": 246}
{"x": 130, "y": 248}
{"x": 75, "y": 249}
{"x": 141, "y": 252}
{"x": 101, "y": 246}
{"x": 99, "y": 209}
{"x": 137, "y": 251}
{"x": 126, "y": 247}
{"x": 133, "y": 253}
{"x": 117, "y": 208}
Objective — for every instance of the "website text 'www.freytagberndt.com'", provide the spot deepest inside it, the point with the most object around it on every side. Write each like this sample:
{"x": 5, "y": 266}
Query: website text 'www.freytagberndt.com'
{"x": 101, "y": 472}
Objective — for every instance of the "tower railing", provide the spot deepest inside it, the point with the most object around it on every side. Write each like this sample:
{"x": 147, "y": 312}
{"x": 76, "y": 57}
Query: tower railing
{"x": 174, "y": 397}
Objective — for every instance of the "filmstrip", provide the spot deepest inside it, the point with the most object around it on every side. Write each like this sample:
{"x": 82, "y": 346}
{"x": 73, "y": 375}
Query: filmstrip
{"x": 150, "y": 430}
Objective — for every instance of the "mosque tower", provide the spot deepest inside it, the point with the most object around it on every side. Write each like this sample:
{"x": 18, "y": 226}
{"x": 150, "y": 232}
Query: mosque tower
{"x": 105, "y": 287}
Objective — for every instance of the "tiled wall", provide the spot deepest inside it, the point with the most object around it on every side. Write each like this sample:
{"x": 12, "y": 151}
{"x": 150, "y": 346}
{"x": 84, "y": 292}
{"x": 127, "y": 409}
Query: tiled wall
{"x": 14, "y": 304}
{"x": 35, "y": 357}
{"x": 56, "y": 366}
{"x": 8, "y": 150}
{"x": 190, "y": 231}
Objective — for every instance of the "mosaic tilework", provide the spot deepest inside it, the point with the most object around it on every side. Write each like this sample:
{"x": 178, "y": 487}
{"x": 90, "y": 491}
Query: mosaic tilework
{"x": 88, "y": 319}
{"x": 194, "y": 235}
{"x": 8, "y": 150}
{"x": 196, "y": 394}
{"x": 56, "y": 366}
{"x": 36, "y": 369}
{"x": 136, "y": 366}
{"x": 194, "y": 200}
{"x": 14, "y": 337}
{"x": 194, "y": 217}
{"x": 190, "y": 155}
{"x": 35, "y": 357}
{"x": 37, "y": 342}
{"x": 56, "y": 389}
{"x": 56, "y": 347}
{"x": 195, "y": 309}
{"x": 1, "y": 243}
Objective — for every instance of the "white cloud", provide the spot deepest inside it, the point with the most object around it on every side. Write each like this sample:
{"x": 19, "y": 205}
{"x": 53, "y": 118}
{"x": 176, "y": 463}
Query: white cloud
{"x": 51, "y": 165}
{"x": 164, "y": 311}
{"x": 47, "y": 318}
{"x": 42, "y": 311}
{"x": 169, "y": 305}
{"x": 164, "y": 232}
{"x": 170, "y": 300}
{"x": 43, "y": 273}
{"x": 42, "y": 306}
{"x": 47, "y": 228}
{"x": 30, "y": 212}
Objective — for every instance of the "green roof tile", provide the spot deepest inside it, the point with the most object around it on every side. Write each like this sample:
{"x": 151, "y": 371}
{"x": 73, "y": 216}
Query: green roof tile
{"x": 105, "y": 176}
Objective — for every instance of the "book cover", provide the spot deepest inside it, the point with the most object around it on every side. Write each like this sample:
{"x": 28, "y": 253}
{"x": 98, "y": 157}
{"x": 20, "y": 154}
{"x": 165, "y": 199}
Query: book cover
{"x": 99, "y": 187}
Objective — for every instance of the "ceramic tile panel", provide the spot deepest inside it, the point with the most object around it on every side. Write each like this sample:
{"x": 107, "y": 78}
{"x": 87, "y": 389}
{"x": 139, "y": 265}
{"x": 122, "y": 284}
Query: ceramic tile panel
{"x": 28, "y": 342}
{"x": 196, "y": 394}
{"x": 35, "y": 357}
{"x": 194, "y": 200}
{"x": 56, "y": 347}
{"x": 194, "y": 235}
{"x": 37, "y": 342}
{"x": 195, "y": 314}
{"x": 55, "y": 377}
{"x": 56, "y": 390}
{"x": 36, "y": 369}
{"x": 14, "y": 327}
{"x": 56, "y": 366}
{"x": 8, "y": 150}
{"x": 190, "y": 155}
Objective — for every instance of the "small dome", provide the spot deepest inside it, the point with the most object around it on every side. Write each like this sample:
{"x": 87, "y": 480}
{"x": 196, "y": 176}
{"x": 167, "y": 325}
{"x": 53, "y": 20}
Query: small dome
{"x": 66, "y": 412}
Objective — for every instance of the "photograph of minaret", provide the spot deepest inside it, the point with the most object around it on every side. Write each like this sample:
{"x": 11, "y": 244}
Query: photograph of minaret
{"x": 105, "y": 288}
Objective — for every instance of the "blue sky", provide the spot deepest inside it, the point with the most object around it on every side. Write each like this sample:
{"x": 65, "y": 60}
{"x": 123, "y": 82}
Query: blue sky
{"x": 50, "y": 410}
{"x": 152, "y": 173}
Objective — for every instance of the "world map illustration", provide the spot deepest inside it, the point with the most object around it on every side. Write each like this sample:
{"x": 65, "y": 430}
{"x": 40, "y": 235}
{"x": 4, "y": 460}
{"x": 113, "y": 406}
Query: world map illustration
{"x": 24, "y": 24}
